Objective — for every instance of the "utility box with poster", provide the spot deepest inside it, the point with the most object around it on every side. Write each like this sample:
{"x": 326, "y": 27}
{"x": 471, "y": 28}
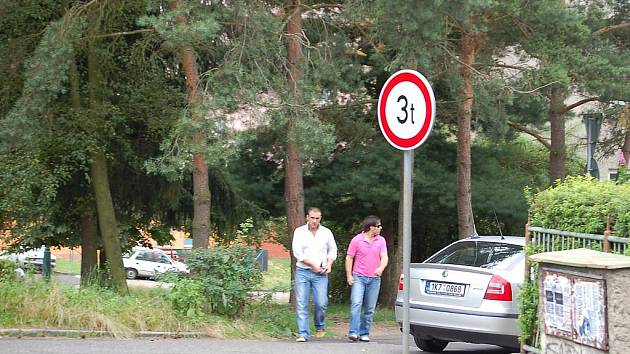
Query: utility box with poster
{"x": 583, "y": 302}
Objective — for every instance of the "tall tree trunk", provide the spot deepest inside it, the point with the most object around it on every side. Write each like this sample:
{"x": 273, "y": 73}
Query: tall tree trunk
{"x": 293, "y": 183}
{"x": 107, "y": 222}
{"x": 89, "y": 227}
{"x": 557, "y": 155}
{"x": 625, "y": 149}
{"x": 201, "y": 187}
{"x": 98, "y": 173}
{"x": 471, "y": 43}
{"x": 89, "y": 235}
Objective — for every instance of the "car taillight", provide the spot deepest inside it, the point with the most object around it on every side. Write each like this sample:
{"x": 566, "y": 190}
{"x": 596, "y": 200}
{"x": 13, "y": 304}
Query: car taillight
{"x": 401, "y": 286}
{"x": 498, "y": 289}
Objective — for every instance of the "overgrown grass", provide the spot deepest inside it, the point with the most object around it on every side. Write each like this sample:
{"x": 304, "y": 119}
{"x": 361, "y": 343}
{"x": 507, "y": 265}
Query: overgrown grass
{"x": 278, "y": 274}
{"x": 34, "y": 303}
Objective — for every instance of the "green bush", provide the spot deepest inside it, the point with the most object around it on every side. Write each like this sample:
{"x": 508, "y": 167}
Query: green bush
{"x": 528, "y": 298}
{"x": 338, "y": 288}
{"x": 7, "y": 270}
{"x": 187, "y": 297}
{"x": 582, "y": 204}
{"x": 223, "y": 276}
{"x": 577, "y": 204}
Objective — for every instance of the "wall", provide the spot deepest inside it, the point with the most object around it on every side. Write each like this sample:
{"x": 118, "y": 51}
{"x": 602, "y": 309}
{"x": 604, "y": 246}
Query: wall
{"x": 617, "y": 285}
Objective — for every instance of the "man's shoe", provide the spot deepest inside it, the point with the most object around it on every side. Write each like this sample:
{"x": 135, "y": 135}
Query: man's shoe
{"x": 364, "y": 338}
{"x": 353, "y": 337}
{"x": 320, "y": 333}
{"x": 300, "y": 339}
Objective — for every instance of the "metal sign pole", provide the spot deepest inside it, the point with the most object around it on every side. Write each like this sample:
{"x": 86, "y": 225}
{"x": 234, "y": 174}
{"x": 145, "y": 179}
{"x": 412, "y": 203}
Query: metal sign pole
{"x": 406, "y": 245}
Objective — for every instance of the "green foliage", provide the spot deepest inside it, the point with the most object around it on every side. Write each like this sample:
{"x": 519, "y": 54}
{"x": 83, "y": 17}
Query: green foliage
{"x": 187, "y": 297}
{"x": 278, "y": 274}
{"x": 528, "y": 300}
{"x": 7, "y": 271}
{"x": 45, "y": 79}
{"x": 623, "y": 175}
{"x": 270, "y": 319}
{"x": 36, "y": 303}
{"x": 582, "y": 204}
{"x": 338, "y": 287}
{"x": 190, "y": 24}
{"x": 224, "y": 276}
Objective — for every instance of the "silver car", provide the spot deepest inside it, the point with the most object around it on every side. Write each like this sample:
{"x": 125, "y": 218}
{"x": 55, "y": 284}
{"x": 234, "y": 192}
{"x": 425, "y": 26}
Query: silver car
{"x": 466, "y": 292}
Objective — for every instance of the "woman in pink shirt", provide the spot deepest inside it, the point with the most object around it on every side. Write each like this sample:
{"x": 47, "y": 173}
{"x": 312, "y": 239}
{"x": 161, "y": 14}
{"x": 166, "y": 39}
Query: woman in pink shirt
{"x": 365, "y": 261}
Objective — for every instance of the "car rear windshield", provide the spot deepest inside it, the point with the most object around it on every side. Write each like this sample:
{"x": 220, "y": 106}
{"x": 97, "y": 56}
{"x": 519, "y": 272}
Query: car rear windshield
{"x": 478, "y": 254}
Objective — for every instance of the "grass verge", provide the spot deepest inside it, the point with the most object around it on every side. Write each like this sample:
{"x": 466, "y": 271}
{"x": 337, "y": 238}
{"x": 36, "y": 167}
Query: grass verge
{"x": 278, "y": 274}
{"x": 277, "y": 277}
{"x": 33, "y": 303}
{"x": 68, "y": 267}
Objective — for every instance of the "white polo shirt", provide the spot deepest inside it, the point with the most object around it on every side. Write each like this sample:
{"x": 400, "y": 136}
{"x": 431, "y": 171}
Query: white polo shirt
{"x": 318, "y": 247}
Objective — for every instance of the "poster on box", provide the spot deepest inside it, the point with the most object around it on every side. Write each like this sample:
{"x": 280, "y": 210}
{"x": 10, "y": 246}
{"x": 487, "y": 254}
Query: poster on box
{"x": 574, "y": 307}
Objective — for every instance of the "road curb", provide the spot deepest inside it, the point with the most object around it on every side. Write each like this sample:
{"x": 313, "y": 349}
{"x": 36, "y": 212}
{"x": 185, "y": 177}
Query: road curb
{"x": 46, "y": 332}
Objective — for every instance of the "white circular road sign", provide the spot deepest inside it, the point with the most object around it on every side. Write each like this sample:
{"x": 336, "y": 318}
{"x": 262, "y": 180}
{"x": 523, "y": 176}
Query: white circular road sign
{"x": 406, "y": 109}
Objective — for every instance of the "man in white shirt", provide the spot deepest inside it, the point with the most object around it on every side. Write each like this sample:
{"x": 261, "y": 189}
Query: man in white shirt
{"x": 315, "y": 249}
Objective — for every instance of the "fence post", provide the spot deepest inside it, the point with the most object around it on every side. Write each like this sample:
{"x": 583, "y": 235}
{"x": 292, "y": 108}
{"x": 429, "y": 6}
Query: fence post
{"x": 528, "y": 241}
{"x": 606, "y": 235}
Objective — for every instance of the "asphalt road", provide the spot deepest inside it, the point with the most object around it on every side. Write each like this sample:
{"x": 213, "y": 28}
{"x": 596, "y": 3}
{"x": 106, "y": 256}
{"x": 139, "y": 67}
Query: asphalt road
{"x": 385, "y": 345}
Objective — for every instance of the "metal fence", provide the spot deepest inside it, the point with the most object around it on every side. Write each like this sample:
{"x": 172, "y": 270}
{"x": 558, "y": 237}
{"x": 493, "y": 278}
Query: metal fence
{"x": 557, "y": 240}
{"x": 549, "y": 240}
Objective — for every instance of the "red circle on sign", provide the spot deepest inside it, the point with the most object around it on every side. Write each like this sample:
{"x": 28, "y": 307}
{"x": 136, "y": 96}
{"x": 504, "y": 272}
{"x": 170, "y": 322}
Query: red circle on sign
{"x": 427, "y": 93}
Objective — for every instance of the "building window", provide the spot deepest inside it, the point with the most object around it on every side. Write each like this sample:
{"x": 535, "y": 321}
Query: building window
{"x": 612, "y": 175}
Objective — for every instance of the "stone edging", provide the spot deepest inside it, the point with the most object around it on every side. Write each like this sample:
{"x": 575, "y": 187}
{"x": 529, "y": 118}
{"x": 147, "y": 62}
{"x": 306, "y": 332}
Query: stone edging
{"x": 47, "y": 332}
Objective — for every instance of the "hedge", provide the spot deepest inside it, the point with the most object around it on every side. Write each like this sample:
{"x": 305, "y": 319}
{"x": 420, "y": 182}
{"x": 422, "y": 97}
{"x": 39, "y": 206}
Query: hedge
{"x": 582, "y": 204}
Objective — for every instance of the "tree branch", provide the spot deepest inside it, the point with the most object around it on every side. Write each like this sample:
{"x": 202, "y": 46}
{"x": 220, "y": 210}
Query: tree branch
{"x": 531, "y": 132}
{"x": 579, "y": 103}
{"x": 611, "y": 28}
{"x": 324, "y": 6}
{"x": 506, "y": 66}
{"x": 115, "y": 34}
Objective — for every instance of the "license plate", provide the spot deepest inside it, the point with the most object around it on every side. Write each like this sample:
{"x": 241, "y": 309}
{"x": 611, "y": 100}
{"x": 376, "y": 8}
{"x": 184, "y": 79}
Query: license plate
{"x": 442, "y": 288}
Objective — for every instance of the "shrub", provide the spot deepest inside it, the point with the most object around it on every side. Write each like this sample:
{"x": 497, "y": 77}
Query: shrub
{"x": 7, "y": 270}
{"x": 582, "y": 204}
{"x": 338, "y": 287}
{"x": 528, "y": 297}
{"x": 225, "y": 276}
{"x": 187, "y": 297}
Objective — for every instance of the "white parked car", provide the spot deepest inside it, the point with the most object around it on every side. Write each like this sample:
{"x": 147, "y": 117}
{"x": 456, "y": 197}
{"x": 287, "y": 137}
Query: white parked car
{"x": 29, "y": 259}
{"x": 148, "y": 262}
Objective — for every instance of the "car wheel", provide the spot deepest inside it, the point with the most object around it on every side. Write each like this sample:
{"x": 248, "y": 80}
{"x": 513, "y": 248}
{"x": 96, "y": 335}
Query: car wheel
{"x": 131, "y": 273}
{"x": 430, "y": 345}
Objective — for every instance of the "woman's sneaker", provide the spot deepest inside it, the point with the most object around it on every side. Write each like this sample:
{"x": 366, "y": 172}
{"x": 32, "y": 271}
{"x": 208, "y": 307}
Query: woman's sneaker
{"x": 353, "y": 337}
{"x": 364, "y": 338}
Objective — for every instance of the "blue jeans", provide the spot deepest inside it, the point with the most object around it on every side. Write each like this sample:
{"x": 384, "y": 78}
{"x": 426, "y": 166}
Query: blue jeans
{"x": 305, "y": 281}
{"x": 364, "y": 294}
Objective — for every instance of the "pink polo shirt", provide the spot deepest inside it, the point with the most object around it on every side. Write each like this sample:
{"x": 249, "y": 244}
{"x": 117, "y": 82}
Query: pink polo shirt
{"x": 367, "y": 256}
